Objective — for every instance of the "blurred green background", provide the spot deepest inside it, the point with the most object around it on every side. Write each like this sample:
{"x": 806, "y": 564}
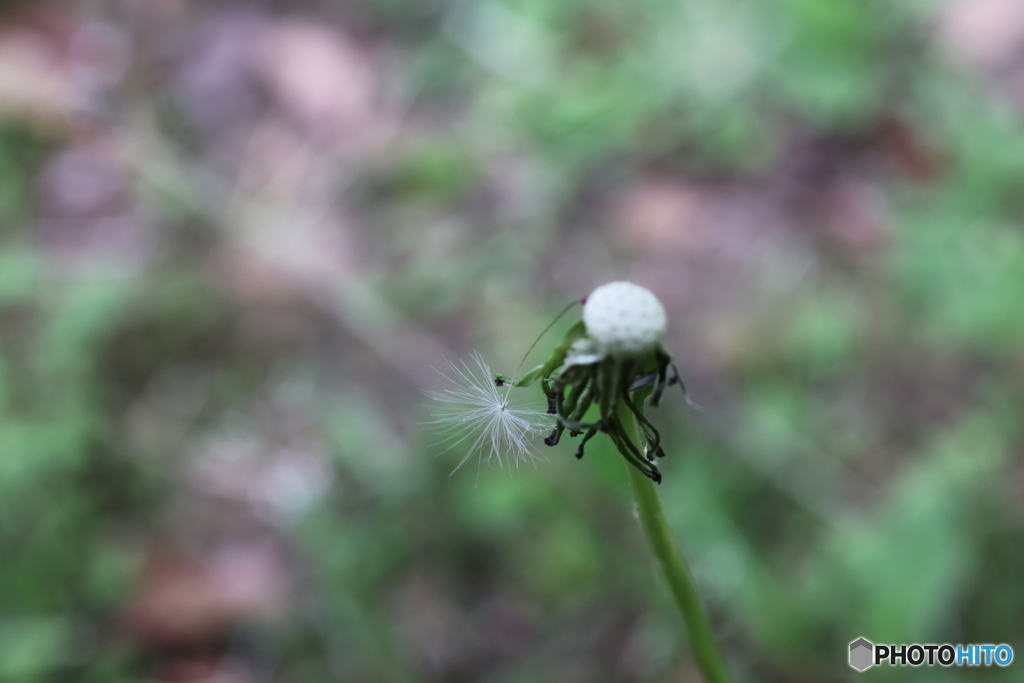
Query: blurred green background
{"x": 236, "y": 238}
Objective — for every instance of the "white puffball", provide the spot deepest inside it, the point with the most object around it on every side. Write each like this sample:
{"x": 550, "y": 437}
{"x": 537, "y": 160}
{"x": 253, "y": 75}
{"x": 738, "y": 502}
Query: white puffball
{"x": 624, "y": 318}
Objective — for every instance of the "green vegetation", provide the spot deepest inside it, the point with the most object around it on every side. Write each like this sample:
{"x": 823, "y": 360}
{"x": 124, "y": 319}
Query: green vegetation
{"x": 224, "y": 285}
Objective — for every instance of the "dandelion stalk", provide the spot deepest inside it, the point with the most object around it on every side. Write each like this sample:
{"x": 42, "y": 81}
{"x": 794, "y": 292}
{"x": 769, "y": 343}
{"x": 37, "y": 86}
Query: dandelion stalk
{"x": 674, "y": 568}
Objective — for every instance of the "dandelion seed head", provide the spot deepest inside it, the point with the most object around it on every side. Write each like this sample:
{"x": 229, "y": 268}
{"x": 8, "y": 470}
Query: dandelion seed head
{"x": 480, "y": 419}
{"x": 624, "y": 318}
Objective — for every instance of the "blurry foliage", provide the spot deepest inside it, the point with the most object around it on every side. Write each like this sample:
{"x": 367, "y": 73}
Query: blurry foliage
{"x": 208, "y": 400}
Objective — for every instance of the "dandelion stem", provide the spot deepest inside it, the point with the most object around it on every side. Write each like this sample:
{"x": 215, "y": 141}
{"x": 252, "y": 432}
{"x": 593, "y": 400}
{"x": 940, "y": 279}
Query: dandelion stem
{"x": 674, "y": 567}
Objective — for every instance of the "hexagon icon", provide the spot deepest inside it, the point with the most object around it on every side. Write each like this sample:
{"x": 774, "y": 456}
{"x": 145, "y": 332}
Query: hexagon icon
{"x": 862, "y": 654}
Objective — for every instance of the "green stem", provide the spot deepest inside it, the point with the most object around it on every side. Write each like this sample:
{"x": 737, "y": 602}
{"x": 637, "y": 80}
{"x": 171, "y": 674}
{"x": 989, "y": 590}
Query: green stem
{"x": 676, "y": 571}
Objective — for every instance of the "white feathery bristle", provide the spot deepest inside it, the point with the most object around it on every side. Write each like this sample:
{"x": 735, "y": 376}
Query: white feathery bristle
{"x": 473, "y": 414}
{"x": 624, "y": 318}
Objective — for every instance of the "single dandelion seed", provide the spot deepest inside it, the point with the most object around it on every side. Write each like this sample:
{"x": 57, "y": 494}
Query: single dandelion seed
{"x": 472, "y": 414}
